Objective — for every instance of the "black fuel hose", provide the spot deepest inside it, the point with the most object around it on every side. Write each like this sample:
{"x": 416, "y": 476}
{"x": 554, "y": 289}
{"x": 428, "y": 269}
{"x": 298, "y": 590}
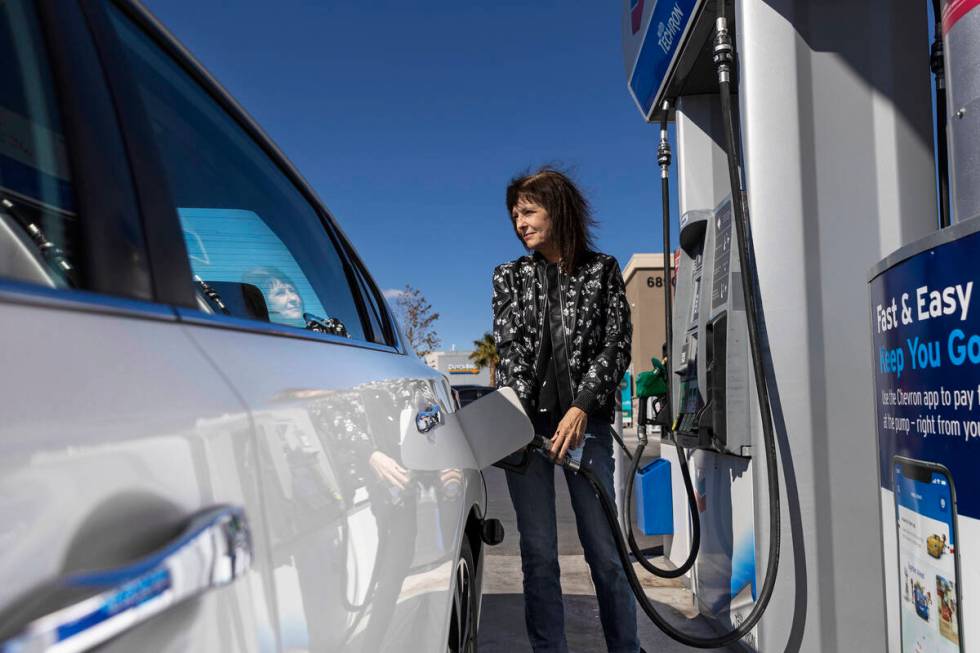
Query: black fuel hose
{"x": 724, "y": 58}
{"x": 663, "y": 160}
{"x": 609, "y": 511}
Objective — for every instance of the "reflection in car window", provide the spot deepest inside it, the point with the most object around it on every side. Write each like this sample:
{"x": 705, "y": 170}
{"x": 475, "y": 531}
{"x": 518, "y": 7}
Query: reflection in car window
{"x": 223, "y": 245}
{"x": 38, "y": 225}
{"x": 257, "y": 247}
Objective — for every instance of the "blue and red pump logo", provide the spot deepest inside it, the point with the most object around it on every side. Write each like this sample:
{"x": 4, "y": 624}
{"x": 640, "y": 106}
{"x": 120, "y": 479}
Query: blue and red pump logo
{"x": 636, "y": 14}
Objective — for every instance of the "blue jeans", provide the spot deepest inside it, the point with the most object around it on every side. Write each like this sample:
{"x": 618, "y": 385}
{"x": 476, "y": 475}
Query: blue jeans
{"x": 533, "y": 494}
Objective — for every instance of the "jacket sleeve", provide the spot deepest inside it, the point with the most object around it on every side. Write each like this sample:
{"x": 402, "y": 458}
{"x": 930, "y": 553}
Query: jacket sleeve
{"x": 516, "y": 366}
{"x": 607, "y": 369}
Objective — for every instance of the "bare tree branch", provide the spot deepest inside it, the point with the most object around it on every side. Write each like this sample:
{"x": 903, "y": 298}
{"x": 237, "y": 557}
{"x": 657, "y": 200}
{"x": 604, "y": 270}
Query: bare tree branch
{"x": 417, "y": 320}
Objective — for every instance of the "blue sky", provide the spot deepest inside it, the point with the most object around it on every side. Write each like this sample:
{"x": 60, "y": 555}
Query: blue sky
{"x": 409, "y": 119}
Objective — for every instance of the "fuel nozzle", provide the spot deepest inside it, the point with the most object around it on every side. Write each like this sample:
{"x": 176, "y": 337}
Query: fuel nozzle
{"x": 540, "y": 442}
{"x": 544, "y": 444}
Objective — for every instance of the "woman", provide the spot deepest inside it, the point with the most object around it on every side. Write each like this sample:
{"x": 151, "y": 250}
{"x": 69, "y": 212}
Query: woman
{"x": 562, "y": 329}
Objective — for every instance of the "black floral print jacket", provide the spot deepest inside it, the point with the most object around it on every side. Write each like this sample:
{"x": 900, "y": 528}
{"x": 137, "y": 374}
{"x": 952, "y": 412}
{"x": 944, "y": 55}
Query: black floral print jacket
{"x": 597, "y": 329}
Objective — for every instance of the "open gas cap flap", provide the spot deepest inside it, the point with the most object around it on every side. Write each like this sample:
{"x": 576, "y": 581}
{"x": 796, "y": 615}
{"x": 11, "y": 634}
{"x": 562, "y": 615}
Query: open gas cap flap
{"x": 475, "y": 437}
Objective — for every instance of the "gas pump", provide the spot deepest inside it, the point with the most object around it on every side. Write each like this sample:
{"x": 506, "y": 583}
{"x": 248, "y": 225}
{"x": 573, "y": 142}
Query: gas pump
{"x": 819, "y": 124}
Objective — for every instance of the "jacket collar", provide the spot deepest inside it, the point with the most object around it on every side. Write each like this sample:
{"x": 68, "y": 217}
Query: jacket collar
{"x": 538, "y": 259}
{"x": 541, "y": 261}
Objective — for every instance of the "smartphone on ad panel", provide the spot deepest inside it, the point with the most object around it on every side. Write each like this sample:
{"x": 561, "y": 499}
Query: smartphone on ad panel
{"x": 928, "y": 564}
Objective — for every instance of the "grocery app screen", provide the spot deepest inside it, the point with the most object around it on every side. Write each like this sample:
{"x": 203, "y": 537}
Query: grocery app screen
{"x": 926, "y": 560}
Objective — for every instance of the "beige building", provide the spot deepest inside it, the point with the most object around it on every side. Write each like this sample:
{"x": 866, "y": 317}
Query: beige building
{"x": 645, "y": 292}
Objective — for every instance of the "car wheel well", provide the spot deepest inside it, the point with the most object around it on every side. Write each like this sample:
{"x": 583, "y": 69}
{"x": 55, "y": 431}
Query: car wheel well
{"x": 472, "y": 532}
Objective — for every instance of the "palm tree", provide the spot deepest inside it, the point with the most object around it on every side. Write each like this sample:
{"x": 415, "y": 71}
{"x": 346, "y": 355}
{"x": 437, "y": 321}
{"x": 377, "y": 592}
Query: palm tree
{"x": 485, "y": 355}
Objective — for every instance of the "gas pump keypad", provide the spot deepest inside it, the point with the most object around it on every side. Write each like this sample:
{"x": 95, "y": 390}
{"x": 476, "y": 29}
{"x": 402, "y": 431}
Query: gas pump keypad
{"x": 711, "y": 378}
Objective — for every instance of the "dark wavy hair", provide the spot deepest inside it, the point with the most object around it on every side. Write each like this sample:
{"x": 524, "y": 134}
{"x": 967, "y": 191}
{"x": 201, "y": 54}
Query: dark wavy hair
{"x": 571, "y": 217}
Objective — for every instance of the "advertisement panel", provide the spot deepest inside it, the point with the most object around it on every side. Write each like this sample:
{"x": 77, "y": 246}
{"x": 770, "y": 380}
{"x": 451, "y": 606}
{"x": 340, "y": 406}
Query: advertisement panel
{"x": 926, "y": 336}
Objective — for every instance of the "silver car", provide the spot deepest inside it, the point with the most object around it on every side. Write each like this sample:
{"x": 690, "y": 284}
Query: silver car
{"x": 212, "y": 436}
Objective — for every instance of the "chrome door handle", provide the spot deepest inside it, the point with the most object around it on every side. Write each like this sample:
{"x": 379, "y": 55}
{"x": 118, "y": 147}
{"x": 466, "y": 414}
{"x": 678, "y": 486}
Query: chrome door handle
{"x": 427, "y": 418}
{"x": 91, "y": 607}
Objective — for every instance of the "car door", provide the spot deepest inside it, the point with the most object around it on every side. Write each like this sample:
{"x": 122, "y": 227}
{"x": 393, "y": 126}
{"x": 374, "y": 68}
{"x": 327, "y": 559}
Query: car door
{"x": 128, "y": 466}
{"x": 362, "y": 544}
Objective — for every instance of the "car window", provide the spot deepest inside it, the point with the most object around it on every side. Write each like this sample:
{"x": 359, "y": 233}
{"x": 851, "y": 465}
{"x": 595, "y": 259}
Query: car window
{"x": 39, "y": 239}
{"x": 258, "y": 249}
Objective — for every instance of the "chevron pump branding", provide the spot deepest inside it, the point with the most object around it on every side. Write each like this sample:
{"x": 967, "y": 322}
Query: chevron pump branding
{"x": 655, "y": 58}
{"x": 667, "y": 31}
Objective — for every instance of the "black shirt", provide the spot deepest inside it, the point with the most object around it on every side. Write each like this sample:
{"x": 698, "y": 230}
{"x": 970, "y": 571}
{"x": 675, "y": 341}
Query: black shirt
{"x": 553, "y": 400}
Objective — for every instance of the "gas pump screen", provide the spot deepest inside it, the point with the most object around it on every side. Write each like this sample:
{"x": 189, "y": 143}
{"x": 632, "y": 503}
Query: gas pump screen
{"x": 927, "y": 562}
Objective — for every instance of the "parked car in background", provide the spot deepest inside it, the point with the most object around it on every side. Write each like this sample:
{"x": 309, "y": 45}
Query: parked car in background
{"x": 470, "y": 393}
{"x": 213, "y": 438}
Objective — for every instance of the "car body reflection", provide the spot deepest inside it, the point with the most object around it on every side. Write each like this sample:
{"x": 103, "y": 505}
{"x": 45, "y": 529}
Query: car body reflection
{"x": 341, "y": 499}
